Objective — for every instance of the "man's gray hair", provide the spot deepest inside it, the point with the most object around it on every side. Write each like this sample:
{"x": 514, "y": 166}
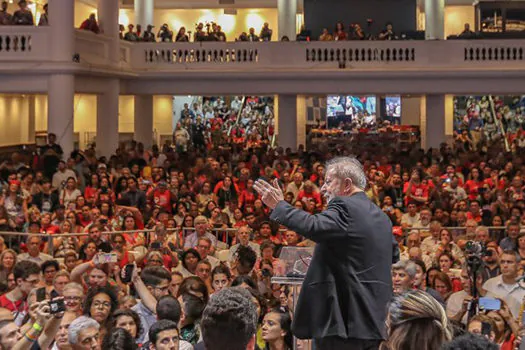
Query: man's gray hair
{"x": 348, "y": 167}
{"x": 408, "y": 266}
{"x": 78, "y": 325}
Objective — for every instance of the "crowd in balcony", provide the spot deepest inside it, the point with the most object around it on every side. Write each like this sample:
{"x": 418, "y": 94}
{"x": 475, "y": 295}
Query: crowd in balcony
{"x": 23, "y": 16}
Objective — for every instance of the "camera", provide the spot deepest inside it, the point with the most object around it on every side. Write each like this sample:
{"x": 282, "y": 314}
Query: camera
{"x": 473, "y": 248}
{"x": 56, "y": 306}
{"x": 266, "y": 273}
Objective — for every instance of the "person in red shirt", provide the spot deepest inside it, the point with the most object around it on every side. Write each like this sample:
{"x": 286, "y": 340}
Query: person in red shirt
{"x": 308, "y": 192}
{"x": 474, "y": 212}
{"x": 415, "y": 190}
{"x": 248, "y": 195}
{"x": 27, "y": 277}
{"x": 473, "y": 184}
{"x": 162, "y": 196}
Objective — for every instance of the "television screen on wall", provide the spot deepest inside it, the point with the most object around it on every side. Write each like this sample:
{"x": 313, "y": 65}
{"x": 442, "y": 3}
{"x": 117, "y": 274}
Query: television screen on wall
{"x": 393, "y": 106}
{"x": 347, "y": 108}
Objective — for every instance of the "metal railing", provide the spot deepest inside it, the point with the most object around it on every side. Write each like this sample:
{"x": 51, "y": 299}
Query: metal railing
{"x": 147, "y": 232}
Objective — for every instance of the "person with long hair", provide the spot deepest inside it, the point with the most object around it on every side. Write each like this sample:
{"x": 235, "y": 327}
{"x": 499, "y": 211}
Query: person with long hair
{"x": 276, "y": 330}
{"x": 126, "y": 319}
{"x": 100, "y": 303}
{"x": 7, "y": 262}
{"x": 119, "y": 339}
{"x": 416, "y": 320}
{"x": 69, "y": 194}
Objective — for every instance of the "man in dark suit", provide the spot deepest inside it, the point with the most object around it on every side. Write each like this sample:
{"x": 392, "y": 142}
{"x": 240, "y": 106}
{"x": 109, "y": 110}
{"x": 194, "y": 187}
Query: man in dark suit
{"x": 343, "y": 300}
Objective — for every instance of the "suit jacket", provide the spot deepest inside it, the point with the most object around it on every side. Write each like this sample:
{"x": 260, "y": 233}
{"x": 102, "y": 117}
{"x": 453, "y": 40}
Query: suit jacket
{"x": 348, "y": 284}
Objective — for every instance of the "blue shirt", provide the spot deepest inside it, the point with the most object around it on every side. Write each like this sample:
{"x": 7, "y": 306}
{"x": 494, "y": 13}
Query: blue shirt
{"x": 147, "y": 319}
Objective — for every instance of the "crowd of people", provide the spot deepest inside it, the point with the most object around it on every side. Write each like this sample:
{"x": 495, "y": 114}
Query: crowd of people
{"x": 23, "y": 16}
{"x": 139, "y": 248}
{"x": 481, "y": 121}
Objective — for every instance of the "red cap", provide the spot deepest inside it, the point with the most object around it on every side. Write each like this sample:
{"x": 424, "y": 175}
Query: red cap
{"x": 14, "y": 182}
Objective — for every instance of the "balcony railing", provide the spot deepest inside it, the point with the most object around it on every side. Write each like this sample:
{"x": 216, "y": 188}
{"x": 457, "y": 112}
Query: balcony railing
{"x": 18, "y": 44}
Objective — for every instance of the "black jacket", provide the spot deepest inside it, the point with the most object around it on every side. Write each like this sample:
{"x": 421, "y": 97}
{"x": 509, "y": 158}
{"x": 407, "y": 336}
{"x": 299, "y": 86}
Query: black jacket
{"x": 348, "y": 284}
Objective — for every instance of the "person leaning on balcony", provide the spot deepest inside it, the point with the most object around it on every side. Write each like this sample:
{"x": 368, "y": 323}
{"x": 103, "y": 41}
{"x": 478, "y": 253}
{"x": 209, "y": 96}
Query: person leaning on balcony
{"x": 266, "y": 32}
{"x": 5, "y": 17}
{"x": 131, "y": 35}
{"x": 91, "y": 24}
{"x": 148, "y": 36}
{"x": 44, "y": 20}
{"x": 182, "y": 36}
{"x": 388, "y": 33}
{"x": 165, "y": 34}
{"x": 23, "y": 16}
{"x": 326, "y": 36}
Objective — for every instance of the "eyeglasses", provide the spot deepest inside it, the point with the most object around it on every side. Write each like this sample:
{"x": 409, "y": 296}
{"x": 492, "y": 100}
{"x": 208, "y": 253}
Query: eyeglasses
{"x": 155, "y": 261}
{"x": 33, "y": 281}
{"x": 72, "y": 298}
{"x": 104, "y": 305}
{"x": 163, "y": 289}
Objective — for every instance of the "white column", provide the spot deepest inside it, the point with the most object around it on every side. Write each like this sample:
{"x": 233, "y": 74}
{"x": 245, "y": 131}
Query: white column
{"x": 287, "y": 121}
{"x": 108, "y": 13}
{"x": 107, "y": 118}
{"x": 435, "y": 19}
{"x": 144, "y": 120}
{"x": 60, "y": 110}
{"x": 287, "y": 12}
{"x": 31, "y": 119}
{"x": 144, "y": 12}
{"x": 434, "y": 126}
{"x": 62, "y": 31}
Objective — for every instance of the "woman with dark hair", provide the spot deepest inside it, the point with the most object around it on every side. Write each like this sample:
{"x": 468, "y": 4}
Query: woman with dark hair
{"x": 442, "y": 284}
{"x": 226, "y": 193}
{"x": 195, "y": 286}
{"x": 474, "y": 183}
{"x": 69, "y": 193}
{"x": 88, "y": 251}
{"x": 190, "y": 258}
{"x": 339, "y": 32}
{"x": 119, "y": 339}
{"x": 276, "y": 330}
{"x": 100, "y": 303}
{"x": 220, "y": 277}
{"x": 204, "y": 196}
{"x": 126, "y": 319}
{"x": 91, "y": 189}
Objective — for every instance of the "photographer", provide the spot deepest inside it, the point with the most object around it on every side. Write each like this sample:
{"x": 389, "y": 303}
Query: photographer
{"x": 199, "y": 34}
{"x": 148, "y": 36}
{"x": 39, "y": 336}
{"x": 266, "y": 32}
{"x": 165, "y": 34}
{"x": 388, "y": 33}
{"x": 356, "y": 32}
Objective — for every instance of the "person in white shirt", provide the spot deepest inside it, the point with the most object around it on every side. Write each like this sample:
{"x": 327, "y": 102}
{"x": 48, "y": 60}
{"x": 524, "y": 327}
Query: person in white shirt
{"x": 201, "y": 225}
{"x": 411, "y": 217}
{"x": 457, "y": 303}
{"x": 33, "y": 251}
{"x": 505, "y": 286}
{"x": 204, "y": 248}
{"x": 243, "y": 237}
{"x": 296, "y": 186}
{"x": 62, "y": 174}
{"x": 431, "y": 243}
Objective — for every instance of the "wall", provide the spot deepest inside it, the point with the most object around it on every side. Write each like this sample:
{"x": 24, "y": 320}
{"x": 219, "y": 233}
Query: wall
{"x": 456, "y": 17}
{"x": 321, "y": 14}
{"x": 13, "y": 118}
{"x": 126, "y": 114}
{"x": 82, "y": 12}
{"x": 163, "y": 115}
{"x": 410, "y": 110}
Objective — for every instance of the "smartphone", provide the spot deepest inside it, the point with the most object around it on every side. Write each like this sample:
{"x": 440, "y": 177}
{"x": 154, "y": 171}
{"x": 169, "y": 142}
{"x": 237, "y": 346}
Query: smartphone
{"x": 486, "y": 329}
{"x": 489, "y": 304}
{"x": 156, "y": 246}
{"x": 128, "y": 271}
{"x": 56, "y": 306}
{"x": 41, "y": 294}
{"x": 108, "y": 258}
{"x": 172, "y": 246}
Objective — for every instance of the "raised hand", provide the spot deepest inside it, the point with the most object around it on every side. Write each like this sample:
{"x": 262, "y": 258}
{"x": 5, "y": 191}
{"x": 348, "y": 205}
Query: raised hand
{"x": 270, "y": 194}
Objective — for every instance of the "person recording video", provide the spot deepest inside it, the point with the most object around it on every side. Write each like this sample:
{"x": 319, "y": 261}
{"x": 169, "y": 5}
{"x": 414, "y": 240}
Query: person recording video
{"x": 165, "y": 34}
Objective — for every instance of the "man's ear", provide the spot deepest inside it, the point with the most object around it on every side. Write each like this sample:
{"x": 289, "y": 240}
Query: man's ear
{"x": 151, "y": 346}
{"x": 348, "y": 184}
